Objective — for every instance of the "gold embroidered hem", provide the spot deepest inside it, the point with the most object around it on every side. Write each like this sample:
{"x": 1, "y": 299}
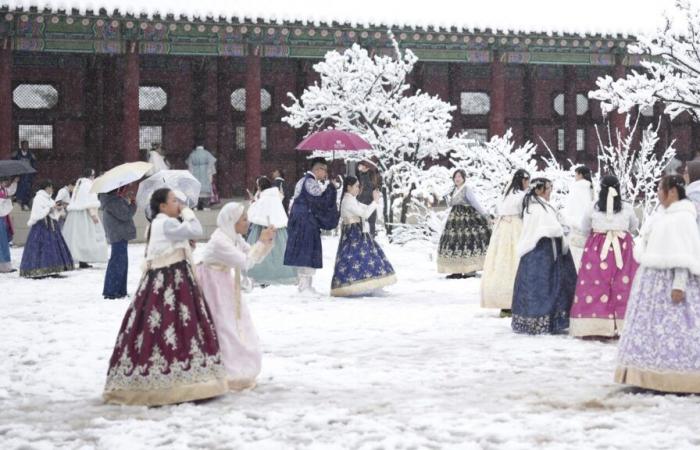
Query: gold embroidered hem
{"x": 582, "y": 327}
{"x": 167, "y": 396}
{"x": 45, "y": 272}
{"x": 460, "y": 265}
{"x": 363, "y": 287}
{"x": 687, "y": 383}
{"x": 240, "y": 385}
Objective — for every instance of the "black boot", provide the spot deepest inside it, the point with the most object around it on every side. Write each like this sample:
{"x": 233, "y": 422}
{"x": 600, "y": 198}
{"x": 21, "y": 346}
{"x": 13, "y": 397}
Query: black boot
{"x": 84, "y": 265}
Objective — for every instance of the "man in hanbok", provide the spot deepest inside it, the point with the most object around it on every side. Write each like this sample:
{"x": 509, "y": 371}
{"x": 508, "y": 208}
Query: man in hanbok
{"x": 314, "y": 208}
{"x": 202, "y": 164}
{"x": 24, "y": 188}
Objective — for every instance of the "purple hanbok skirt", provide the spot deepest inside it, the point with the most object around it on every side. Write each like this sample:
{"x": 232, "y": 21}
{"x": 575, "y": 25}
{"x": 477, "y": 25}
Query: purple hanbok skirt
{"x": 660, "y": 345}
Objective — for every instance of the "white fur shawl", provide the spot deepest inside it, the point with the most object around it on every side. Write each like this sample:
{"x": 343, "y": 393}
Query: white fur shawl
{"x": 268, "y": 210}
{"x": 580, "y": 196}
{"x": 42, "y": 206}
{"x": 82, "y": 198}
{"x": 670, "y": 239}
{"x": 538, "y": 223}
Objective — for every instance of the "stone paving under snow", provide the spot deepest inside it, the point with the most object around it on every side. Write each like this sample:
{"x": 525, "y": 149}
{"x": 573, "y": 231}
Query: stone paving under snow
{"x": 421, "y": 366}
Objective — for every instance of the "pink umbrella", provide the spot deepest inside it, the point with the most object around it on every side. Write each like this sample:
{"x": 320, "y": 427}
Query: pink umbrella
{"x": 333, "y": 141}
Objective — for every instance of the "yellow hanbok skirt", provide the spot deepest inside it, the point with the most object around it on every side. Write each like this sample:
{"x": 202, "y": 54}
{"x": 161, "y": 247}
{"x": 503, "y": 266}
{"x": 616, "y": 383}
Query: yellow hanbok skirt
{"x": 501, "y": 264}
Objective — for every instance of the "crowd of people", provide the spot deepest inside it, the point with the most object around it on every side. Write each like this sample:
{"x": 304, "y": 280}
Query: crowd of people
{"x": 188, "y": 334}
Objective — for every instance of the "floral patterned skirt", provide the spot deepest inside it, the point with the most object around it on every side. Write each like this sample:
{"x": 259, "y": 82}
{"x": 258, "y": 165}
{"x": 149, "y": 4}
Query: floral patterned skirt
{"x": 360, "y": 265}
{"x": 660, "y": 345}
{"x": 544, "y": 289}
{"x": 602, "y": 289}
{"x": 464, "y": 241}
{"x": 167, "y": 349}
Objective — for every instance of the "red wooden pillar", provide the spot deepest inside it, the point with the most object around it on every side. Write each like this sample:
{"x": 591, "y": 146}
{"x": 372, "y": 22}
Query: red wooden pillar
{"x": 6, "y": 100}
{"x": 617, "y": 120}
{"x": 497, "y": 117}
{"x": 570, "y": 112}
{"x": 130, "y": 112}
{"x": 253, "y": 121}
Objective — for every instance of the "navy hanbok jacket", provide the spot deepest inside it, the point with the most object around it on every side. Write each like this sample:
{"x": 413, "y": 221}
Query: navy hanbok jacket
{"x": 310, "y": 214}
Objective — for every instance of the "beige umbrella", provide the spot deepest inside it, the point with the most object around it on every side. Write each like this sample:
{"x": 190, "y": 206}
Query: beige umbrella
{"x": 120, "y": 176}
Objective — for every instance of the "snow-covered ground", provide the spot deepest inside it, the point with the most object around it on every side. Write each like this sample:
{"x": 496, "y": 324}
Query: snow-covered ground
{"x": 420, "y": 367}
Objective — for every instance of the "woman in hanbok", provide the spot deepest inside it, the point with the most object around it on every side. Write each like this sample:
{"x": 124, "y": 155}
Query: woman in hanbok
{"x": 692, "y": 179}
{"x": 608, "y": 266}
{"x": 465, "y": 239}
{"x": 167, "y": 349}
{"x": 7, "y": 190}
{"x": 83, "y": 230}
{"x": 360, "y": 264}
{"x": 660, "y": 346}
{"x": 45, "y": 253}
{"x": 502, "y": 258}
{"x": 157, "y": 158}
{"x": 546, "y": 278}
{"x": 267, "y": 210}
{"x": 63, "y": 199}
{"x": 579, "y": 198}
{"x": 227, "y": 251}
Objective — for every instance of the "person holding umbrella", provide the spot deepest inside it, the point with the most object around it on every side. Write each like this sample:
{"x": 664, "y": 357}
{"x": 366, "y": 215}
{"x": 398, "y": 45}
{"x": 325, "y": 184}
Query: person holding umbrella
{"x": 24, "y": 188}
{"x": 313, "y": 208}
{"x": 118, "y": 210}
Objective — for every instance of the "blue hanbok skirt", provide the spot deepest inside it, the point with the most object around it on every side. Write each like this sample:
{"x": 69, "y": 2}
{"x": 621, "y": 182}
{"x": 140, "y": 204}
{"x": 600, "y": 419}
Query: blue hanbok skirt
{"x": 45, "y": 252}
{"x": 544, "y": 290}
{"x": 271, "y": 270}
{"x": 360, "y": 265}
{"x": 5, "y": 264}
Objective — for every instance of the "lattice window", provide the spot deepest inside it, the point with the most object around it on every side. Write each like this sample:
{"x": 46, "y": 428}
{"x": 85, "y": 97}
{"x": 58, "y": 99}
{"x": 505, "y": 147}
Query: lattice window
{"x": 472, "y": 103}
{"x": 581, "y": 104}
{"x": 152, "y": 98}
{"x": 238, "y": 99}
{"x": 35, "y": 96}
{"x": 580, "y": 140}
{"x": 559, "y": 104}
{"x": 561, "y": 145}
{"x": 480, "y": 135}
{"x": 150, "y": 134}
{"x": 240, "y": 138}
{"x": 39, "y": 137}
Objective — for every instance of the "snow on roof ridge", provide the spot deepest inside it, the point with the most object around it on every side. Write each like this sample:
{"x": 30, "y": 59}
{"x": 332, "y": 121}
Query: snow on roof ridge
{"x": 524, "y": 17}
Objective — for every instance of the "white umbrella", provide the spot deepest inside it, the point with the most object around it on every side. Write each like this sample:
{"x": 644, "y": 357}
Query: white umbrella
{"x": 120, "y": 176}
{"x": 186, "y": 186}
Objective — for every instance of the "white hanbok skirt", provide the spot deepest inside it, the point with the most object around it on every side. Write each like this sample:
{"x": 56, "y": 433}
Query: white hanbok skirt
{"x": 85, "y": 239}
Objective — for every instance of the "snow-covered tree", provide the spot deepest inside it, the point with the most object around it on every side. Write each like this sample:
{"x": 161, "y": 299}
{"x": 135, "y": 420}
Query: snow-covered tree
{"x": 638, "y": 167}
{"x": 369, "y": 95}
{"x": 672, "y": 74}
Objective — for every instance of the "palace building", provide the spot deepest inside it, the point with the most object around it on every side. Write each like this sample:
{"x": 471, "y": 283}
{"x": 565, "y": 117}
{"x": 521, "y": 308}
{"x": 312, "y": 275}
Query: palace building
{"x": 95, "y": 88}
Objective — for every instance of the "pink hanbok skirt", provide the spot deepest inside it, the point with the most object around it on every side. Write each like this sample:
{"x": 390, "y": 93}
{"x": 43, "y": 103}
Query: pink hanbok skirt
{"x": 238, "y": 340}
{"x": 602, "y": 290}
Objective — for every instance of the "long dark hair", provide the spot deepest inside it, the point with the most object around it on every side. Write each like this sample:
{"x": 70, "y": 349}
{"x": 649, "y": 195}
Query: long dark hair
{"x": 606, "y": 183}
{"x": 674, "y": 181}
{"x": 348, "y": 182}
{"x": 532, "y": 197}
{"x": 158, "y": 197}
{"x": 517, "y": 184}
{"x": 585, "y": 172}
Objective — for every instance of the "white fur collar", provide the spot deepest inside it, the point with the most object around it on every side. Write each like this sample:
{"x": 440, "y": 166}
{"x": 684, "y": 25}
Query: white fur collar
{"x": 671, "y": 239}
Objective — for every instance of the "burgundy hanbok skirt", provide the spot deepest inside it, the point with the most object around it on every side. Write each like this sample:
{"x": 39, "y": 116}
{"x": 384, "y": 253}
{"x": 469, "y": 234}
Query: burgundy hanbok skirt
{"x": 167, "y": 349}
{"x": 602, "y": 289}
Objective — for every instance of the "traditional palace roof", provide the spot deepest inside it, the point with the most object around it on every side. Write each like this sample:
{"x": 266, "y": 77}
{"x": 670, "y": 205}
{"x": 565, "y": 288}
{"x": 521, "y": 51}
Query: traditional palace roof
{"x": 542, "y": 31}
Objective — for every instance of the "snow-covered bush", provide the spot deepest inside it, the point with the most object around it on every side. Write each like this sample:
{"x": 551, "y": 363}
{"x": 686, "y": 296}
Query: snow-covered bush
{"x": 672, "y": 77}
{"x": 638, "y": 167}
{"x": 369, "y": 95}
